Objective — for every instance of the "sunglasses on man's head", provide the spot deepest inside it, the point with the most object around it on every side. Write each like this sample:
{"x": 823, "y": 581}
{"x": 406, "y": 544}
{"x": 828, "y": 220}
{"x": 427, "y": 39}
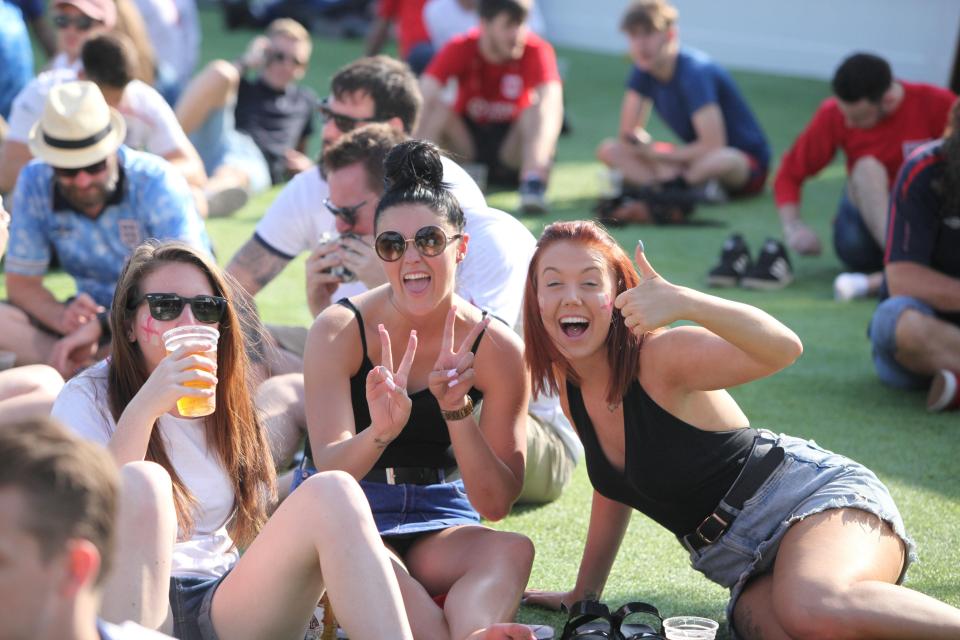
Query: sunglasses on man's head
{"x": 347, "y": 214}
{"x": 169, "y": 306}
{"x": 80, "y": 23}
{"x": 274, "y": 55}
{"x": 343, "y": 122}
{"x": 430, "y": 241}
{"x": 90, "y": 170}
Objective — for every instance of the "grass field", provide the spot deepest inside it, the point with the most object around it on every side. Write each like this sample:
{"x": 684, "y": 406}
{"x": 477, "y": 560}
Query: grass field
{"x": 830, "y": 394}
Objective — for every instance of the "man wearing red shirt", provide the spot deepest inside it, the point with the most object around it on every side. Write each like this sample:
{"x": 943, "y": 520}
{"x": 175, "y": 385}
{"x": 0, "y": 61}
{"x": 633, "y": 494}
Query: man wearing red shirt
{"x": 509, "y": 107}
{"x": 876, "y": 121}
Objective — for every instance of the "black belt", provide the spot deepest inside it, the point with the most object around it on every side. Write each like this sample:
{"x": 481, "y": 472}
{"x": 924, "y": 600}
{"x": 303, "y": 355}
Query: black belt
{"x": 764, "y": 458}
{"x": 410, "y": 475}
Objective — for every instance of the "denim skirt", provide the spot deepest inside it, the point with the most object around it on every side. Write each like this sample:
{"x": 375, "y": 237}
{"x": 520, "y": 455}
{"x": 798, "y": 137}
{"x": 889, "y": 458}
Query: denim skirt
{"x": 404, "y": 509}
{"x": 808, "y": 481}
{"x": 191, "y": 601}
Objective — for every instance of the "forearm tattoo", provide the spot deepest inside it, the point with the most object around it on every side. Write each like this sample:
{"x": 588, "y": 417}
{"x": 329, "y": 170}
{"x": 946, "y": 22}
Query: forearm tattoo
{"x": 255, "y": 263}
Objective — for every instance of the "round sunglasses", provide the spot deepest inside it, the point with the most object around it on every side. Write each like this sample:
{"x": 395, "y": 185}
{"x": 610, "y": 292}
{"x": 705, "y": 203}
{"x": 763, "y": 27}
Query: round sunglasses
{"x": 169, "y": 306}
{"x": 430, "y": 241}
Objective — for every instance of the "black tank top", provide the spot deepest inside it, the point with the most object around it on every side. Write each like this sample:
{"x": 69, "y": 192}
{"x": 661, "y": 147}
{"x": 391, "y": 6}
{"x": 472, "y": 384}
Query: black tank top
{"x": 424, "y": 441}
{"x": 673, "y": 472}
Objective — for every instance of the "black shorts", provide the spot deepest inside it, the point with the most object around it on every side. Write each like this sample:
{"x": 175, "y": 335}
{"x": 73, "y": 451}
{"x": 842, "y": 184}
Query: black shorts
{"x": 488, "y": 139}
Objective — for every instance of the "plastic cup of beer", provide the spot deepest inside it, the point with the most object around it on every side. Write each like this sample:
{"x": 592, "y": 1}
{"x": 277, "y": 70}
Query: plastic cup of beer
{"x": 206, "y": 337}
{"x": 690, "y": 628}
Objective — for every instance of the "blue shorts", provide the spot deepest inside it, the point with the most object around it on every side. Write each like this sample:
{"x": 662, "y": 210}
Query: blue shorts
{"x": 883, "y": 339}
{"x": 855, "y": 247}
{"x": 405, "y": 509}
{"x": 191, "y": 600}
{"x": 220, "y": 144}
{"x": 808, "y": 481}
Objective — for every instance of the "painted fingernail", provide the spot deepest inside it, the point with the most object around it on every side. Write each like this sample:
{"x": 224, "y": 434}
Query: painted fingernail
{"x": 453, "y": 383}
{"x": 451, "y": 373}
{"x": 391, "y": 385}
{"x": 640, "y": 245}
{"x": 380, "y": 327}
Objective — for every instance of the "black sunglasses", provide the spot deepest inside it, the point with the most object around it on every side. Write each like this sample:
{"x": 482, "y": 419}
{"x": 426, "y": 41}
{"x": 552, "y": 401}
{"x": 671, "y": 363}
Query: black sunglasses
{"x": 347, "y": 214}
{"x": 343, "y": 122}
{"x": 169, "y": 306}
{"x": 430, "y": 241}
{"x": 81, "y": 22}
{"x": 274, "y": 55}
{"x": 90, "y": 170}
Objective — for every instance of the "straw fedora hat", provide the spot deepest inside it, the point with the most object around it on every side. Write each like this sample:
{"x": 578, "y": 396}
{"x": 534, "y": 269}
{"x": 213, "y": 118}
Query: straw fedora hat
{"x": 77, "y": 127}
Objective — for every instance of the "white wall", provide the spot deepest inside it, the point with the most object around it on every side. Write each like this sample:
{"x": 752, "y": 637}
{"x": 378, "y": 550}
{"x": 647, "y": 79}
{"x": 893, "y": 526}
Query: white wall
{"x": 790, "y": 37}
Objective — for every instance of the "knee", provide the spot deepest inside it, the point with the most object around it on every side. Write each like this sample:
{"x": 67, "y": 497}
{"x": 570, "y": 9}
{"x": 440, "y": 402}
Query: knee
{"x": 868, "y": 166}
{"x": 912, "y": 332}
{"x": 222, "y": 71}
{"x": 335, "y": 491}
{"x": 817, "y": 614}
{"x": 44, "y": 380}
{"x": 146, "y": 493}
{"x": 515, "y": 550}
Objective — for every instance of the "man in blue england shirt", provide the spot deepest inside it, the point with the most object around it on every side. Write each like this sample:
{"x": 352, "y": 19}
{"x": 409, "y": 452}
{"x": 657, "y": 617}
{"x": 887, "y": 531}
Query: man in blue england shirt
{"x": 697, "y": 99}
{"x": 93, "y": 201}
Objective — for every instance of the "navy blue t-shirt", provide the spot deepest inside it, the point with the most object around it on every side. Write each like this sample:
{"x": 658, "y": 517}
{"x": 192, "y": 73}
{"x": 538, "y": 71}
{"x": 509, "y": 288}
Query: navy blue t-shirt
{"x": 919, "y": 230}
{"x": 698, "y": 81}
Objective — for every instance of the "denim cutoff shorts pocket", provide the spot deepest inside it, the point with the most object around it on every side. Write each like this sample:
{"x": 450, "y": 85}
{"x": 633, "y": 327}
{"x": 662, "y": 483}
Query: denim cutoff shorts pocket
{"x": 191, "y": 600}
{"x": 401, "y": 509}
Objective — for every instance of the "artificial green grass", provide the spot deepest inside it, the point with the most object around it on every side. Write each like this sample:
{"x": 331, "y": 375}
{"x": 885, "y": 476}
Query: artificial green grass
{"x": 831, "y": 394}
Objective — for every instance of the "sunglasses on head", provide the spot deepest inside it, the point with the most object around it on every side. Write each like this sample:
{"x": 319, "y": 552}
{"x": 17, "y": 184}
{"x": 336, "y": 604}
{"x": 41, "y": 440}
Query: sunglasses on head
{"x": 80, "y": 23}
{"x": 347, "y": 214}
{"x": 90, "y": 170}
{"x": 169, "y": 306}
{"x": 343, "y": 122}
{"x": 274, "y": 55}
{"x": 430, "y": 241}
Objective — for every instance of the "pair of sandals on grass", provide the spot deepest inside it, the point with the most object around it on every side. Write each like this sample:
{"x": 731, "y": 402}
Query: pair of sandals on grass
{"x": 593, "y": 620}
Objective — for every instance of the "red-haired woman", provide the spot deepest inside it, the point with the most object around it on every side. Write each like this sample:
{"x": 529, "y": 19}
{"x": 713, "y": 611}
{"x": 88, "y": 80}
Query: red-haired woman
{"x": 809, "y": 542}
{"x": 178, "y": 566}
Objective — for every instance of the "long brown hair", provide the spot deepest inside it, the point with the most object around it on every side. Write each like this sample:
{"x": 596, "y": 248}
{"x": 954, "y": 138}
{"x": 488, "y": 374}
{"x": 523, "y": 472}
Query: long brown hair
{"x": 233, "y": 430}
{"x": 543, "y": 358}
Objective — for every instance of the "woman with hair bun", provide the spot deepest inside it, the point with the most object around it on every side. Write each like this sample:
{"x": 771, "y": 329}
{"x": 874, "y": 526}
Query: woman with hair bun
{"x": 393, "y": 377}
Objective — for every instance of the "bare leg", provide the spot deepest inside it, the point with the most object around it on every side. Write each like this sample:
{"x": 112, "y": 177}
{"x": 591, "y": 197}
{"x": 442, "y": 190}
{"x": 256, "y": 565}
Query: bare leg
{"x": 322, "y": 536}
{"x": 483, "y": 572}
{"x": 28, "y": 392}
{"x": 32, "y": 345}
{"x": 138, "y": 587}
{"x": 728, "y": 165}
{"x": 635, "y": 169}
{"x": 211, "y": 89}
{"x": 926, "y": 344}
{"x": 834, "y": 577}
{"x": 532, "y": 142}
{"x": 456, "y": 138}
{"x": 280, "y": 402}
{"x": 753, "y": 615}
{"x": 871, "y": 196}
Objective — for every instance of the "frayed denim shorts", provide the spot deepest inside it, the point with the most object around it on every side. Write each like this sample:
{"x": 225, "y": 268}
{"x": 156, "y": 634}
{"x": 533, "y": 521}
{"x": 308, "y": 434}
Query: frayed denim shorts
{"x": 191, "y": 602}
{"x": 808, "y": 481}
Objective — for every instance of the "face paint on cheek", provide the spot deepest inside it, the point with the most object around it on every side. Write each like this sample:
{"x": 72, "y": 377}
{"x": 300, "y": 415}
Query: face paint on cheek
{"x": 607, "y": 302}
{"x": 149, "y": 327}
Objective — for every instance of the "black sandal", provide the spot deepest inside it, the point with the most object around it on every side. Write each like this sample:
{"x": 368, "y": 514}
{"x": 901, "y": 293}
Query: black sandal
{"x": 590, "y": 619}
{"x": 634, "y": 631}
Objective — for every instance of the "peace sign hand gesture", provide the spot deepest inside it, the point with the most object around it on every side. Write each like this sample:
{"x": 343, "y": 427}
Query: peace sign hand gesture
{"x": 387, "y": 389}
{"x": 453, "y": 374}
{"x": 653, "y": 303}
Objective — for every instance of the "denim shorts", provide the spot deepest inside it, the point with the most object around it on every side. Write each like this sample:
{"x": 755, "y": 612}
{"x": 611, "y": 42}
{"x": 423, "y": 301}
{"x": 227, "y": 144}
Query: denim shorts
{"x": 405, "y": 509}
{"x": 852, "y": 241}
{"x": 808, "y": 481}
{"x": 191, "y": 600}
{"x": 883, "y": 339}
{"x": 220, "y": 143}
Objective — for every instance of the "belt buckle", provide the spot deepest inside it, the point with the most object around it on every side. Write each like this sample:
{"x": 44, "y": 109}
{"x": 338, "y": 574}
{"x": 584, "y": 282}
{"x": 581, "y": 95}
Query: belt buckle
{"x": 712, "y": 517}
{"x": 391, "y": 477}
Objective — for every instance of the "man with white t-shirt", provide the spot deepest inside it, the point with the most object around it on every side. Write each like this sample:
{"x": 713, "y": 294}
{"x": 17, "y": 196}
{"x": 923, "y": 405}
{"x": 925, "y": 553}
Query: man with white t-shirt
{"x": 109, "y": 62}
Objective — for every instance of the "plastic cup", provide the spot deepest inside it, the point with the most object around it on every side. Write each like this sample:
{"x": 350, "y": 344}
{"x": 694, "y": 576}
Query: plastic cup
{"x": 690, "y": 628}
{"x": 7, "y": 360}
{"x": 208, "y": 336}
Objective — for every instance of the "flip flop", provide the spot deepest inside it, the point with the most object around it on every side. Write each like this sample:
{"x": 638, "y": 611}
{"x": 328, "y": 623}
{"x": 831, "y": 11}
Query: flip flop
{"x": 590, "y": 620}
{"x": 633, "y": 630}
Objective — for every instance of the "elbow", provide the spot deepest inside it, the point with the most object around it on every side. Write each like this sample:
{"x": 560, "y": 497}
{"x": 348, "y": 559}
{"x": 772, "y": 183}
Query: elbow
{"x": 494, "y": 513}
{"x": 495, "y": 508}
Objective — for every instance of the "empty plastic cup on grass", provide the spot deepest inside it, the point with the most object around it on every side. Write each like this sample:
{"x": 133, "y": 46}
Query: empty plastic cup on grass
{"x": 690, "y": 628}
{"x": 206, "y": 337}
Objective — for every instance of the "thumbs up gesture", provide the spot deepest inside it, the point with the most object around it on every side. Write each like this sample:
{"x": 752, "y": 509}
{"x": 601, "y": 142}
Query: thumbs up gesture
{"x": 653, "y": 303}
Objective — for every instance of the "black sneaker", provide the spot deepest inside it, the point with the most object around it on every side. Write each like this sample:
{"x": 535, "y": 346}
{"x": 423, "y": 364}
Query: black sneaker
{"x": 533, "y": 197}
{"x": 772, "y": 269}
{"x": 734, "y": 263}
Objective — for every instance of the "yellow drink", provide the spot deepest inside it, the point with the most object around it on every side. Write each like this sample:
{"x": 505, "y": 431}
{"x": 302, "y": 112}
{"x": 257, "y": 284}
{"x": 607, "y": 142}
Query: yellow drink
{"x": 187, "y": 406}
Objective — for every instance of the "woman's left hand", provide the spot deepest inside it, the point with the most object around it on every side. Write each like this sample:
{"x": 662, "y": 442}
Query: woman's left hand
{"x": 653, "y": 303}
{"x": 453, "y": 375}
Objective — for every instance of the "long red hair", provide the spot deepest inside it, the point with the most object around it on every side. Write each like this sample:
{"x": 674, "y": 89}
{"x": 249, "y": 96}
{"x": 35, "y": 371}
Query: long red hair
{"x": 544, "y": 360}
{"x": 233, "y": 430}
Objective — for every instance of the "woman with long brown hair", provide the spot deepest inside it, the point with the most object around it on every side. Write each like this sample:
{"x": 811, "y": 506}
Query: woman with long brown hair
{"x": 222, "y": 476}
{"x": 809, "y": 542}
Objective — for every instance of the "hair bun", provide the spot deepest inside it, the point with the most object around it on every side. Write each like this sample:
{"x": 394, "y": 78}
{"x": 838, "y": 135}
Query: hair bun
{"x": 412, "y": 164}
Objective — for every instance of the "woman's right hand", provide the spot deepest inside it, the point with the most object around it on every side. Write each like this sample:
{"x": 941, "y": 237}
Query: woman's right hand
{"x": 169, "y": 381}
{"x": 387, "y": 389}
{"x": 554, "y": 600}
